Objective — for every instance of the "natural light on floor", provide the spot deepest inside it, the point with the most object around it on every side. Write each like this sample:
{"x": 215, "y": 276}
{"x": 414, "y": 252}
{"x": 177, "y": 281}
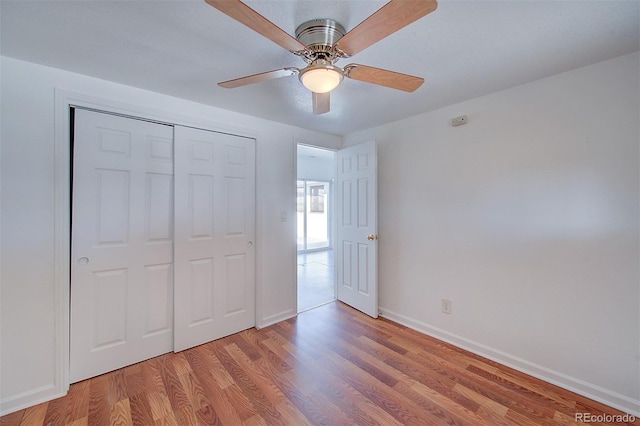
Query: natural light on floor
{"x": 315, "y": 279}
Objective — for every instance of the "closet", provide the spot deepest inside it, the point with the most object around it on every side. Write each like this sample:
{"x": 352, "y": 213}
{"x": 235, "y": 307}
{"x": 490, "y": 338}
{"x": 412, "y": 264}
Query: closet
{"x": 163, "y": 231}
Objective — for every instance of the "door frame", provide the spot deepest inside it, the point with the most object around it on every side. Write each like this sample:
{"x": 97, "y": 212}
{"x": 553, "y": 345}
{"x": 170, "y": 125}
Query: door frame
{"x": 64, "y": 100}
{"x": 332, "y": 215}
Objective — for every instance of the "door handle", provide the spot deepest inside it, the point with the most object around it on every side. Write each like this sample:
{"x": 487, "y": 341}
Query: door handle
{"x": 83, "y": 261}
{"x": 372, "y": 237}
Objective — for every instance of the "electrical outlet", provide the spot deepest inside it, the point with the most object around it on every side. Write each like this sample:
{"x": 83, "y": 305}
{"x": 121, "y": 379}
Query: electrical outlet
{"x": 446, "y": 306}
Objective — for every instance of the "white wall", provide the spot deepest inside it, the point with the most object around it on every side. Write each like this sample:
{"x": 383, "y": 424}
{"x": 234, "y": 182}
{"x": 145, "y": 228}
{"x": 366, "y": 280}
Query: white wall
{"x": 526, "y": 218}
{"x": 321, "y": 168}
{"x": 27, "y": 341}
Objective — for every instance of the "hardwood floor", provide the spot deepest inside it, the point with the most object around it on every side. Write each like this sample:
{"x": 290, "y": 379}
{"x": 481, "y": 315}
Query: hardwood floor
{"x": 330, "y": 366}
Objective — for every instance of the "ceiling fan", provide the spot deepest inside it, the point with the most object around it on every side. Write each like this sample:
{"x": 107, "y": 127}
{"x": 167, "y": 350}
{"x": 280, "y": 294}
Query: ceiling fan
{"x": 322, "y": 42}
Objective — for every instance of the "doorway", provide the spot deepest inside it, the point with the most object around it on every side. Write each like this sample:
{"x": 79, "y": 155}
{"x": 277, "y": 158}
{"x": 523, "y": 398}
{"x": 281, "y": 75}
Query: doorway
{"x": 315, "y": 204}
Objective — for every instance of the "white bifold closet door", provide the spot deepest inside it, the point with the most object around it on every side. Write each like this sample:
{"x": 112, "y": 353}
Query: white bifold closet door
{"x": 122, "y": 243}
{"x": 214, "y": 235}
{"x": 163, "y": 228}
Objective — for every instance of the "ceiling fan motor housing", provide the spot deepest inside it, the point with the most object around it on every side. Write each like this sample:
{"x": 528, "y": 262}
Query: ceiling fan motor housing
{"x": 320, "y": 34}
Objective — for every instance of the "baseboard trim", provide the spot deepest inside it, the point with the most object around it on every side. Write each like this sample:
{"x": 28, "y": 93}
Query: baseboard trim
{"x": 573, "y": 384}
{"x": 29, "y": 398}
{"x": 275, "y": 318}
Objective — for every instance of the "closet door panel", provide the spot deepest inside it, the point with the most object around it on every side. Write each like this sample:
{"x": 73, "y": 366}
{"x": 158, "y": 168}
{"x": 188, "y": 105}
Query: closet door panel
{"x": 214, "y": 236}
{"x": 122, "y": 243}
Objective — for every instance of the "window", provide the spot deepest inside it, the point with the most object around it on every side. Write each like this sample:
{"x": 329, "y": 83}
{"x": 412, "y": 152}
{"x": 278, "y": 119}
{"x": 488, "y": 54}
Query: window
{"x": 317, "y": 193}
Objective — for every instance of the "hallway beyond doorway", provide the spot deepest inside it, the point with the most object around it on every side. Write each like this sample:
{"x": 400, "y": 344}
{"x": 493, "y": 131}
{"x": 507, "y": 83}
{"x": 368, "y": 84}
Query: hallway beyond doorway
{"x": 315, "y": 279}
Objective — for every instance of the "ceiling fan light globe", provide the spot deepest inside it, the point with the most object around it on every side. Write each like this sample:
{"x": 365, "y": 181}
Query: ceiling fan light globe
{"x": 321, "y": 80}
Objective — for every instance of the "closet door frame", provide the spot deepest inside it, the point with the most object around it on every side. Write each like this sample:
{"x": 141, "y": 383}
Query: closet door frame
{"x": 64, "y": 101}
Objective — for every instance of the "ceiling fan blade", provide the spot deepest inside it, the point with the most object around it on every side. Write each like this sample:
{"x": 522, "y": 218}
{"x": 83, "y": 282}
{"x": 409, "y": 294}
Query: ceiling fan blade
{"x": 257, "y": 78}
{"x": 252, "y": 19}
{"x": 321, "y": 102}
{"x": 390, "y": 18}
{"x": 392, "y": 79}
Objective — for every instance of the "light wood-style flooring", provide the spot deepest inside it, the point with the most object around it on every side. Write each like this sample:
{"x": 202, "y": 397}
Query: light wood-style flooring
{"x": 330, "y": 366}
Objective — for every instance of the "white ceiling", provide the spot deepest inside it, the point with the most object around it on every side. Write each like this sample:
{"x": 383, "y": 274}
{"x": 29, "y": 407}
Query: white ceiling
{"x": 183, "y": 48}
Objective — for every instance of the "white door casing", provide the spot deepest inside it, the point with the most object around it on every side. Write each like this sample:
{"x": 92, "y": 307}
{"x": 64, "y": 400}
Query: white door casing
{"x": 214, "y": 235}
{"x": 122, "y": 248}
{"x": 357, "y": 239}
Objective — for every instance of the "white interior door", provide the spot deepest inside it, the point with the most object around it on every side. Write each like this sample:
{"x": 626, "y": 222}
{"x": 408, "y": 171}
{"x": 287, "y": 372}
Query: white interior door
{"x": 214, "y": 236}
{"x": 122, "y": 248}
{"x": 357, "y": 246}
